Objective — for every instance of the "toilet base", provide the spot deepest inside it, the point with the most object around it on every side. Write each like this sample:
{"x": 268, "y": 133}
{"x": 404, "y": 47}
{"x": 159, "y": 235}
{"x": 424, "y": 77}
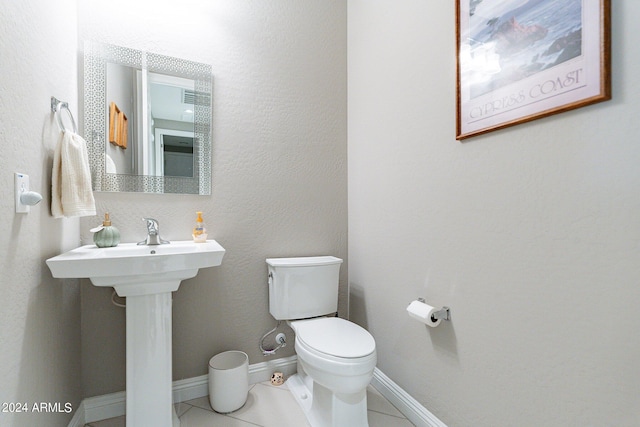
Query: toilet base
{"x": 325, "y": 409}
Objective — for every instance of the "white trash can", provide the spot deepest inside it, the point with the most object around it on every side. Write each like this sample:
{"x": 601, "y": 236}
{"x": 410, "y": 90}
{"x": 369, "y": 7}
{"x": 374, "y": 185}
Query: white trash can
{"x": 228, "y": 381}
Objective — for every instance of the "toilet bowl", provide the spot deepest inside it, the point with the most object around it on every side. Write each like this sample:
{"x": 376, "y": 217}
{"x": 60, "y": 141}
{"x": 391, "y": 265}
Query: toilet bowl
{"x": 336, "y": 358}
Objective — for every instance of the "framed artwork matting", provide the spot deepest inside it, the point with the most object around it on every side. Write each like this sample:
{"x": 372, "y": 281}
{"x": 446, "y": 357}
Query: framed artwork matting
{"x": 520, "y": 60}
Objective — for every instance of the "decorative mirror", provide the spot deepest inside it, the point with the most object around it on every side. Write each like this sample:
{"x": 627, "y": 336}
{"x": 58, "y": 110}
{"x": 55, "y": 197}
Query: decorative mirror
{"x": 147, "y": 121}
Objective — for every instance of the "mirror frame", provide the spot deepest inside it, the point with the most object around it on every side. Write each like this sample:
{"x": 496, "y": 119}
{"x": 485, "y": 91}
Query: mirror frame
{"x": 96, "y": 116}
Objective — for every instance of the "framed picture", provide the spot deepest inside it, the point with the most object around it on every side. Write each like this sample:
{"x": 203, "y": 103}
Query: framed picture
{"x": 520, "y": 60}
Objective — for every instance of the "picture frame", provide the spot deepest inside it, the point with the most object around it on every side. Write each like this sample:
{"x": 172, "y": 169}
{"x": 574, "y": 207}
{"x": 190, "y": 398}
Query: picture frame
{"x": 521, "y": 60}
{"x": 118, "y": 126}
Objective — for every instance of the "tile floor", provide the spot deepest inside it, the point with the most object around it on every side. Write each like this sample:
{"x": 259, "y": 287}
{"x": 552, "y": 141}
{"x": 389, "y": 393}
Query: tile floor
{"x": 268, "y": 406}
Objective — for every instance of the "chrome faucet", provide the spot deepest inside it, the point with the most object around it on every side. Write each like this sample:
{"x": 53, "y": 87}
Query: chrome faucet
{"x": 153, "y": 236}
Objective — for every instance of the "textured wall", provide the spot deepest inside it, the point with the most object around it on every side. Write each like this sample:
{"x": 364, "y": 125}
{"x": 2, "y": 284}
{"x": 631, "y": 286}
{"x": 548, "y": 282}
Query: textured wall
{"x": 279, "y": 167}
{"x": 39, "y": 315}
{"x": 531, "y": 234}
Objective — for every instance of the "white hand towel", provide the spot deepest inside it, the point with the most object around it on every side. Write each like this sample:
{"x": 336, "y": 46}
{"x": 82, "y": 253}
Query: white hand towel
{"x": 71, "y": 193}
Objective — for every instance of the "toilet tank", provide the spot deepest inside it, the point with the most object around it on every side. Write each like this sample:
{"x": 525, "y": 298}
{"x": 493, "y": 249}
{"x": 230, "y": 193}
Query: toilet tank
{"x": 303, "y": 287}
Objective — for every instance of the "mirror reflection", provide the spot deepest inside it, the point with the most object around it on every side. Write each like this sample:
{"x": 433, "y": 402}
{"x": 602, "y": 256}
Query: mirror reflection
{"x": 148, "y": 119}
{"x": 161, "y": 108}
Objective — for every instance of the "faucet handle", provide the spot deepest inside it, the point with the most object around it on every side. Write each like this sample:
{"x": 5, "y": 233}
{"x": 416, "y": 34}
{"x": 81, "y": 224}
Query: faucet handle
{"x": 152, "y": 226}
{"x": 153, "y": 236}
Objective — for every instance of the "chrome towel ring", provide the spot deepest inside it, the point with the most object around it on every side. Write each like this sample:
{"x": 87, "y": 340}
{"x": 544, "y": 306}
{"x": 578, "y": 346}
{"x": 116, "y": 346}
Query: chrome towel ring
{"x": 56, "y": 107}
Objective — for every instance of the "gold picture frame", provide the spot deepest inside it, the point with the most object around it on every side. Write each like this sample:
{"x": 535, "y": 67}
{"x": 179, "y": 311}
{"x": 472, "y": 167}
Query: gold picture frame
{"x": 520, "y": 61}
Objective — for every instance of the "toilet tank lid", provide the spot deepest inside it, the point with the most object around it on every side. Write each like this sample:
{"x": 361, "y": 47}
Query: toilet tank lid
{"x": 303, "y": 261}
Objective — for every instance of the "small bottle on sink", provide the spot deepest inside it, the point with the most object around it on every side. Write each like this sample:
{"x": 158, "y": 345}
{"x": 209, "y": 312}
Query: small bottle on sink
{"x": 106, "y": 235}
{"x": 200, "y": 230}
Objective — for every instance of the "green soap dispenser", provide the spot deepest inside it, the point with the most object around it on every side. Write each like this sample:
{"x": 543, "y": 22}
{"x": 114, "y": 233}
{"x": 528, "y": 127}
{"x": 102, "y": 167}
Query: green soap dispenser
{"x": 106, "y": 235}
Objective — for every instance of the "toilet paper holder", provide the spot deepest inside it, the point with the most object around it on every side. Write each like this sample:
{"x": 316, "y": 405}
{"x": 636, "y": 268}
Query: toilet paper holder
{"x": 444, "y": 313}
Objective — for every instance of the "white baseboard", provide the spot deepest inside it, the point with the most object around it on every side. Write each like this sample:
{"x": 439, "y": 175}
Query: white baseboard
{"x": 106, "y": 406}
{"x": 113, "y": 405}
{"x": 78, "y": 417}
{"x": 260, "y": 372}
{"x": 410, "y": 408}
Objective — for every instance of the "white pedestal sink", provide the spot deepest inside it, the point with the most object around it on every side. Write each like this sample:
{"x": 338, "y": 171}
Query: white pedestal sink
{"x": 146, "y": 275}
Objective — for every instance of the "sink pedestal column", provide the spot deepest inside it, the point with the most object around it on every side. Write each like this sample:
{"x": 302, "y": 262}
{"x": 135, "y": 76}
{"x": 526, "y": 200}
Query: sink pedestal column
{"x": 149, "y": 372}
{"x": 146, "y": 275}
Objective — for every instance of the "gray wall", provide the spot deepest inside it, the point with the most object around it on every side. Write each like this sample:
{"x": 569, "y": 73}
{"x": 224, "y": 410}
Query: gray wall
{"x": 531, "y": 234}
{"x": 39, "y": 316}
{"x": 279, "y": 168}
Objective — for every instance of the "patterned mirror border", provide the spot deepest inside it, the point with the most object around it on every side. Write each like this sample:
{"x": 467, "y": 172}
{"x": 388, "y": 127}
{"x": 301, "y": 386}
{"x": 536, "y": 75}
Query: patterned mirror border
{"x": 96, "y": 57}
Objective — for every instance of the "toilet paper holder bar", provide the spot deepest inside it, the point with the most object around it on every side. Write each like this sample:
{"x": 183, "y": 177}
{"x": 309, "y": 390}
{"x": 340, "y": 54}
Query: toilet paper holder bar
{"x": 444, "y": 313}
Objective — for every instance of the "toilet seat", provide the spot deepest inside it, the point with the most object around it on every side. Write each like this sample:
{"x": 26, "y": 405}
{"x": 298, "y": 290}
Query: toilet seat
{"x": 334, "y": 337}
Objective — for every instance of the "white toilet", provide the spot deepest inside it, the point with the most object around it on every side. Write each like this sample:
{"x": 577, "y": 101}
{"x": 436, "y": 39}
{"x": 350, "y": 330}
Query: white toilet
{"x": 336, "y": 358}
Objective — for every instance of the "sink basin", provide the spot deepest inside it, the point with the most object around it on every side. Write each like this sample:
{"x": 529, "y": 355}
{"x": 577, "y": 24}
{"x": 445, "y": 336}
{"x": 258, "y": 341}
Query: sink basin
{"x": 138, "y": 270}
{"x": 146, "y": 275}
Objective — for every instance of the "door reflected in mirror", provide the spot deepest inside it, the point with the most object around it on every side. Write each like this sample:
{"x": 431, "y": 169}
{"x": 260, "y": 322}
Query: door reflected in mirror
{"x": 171, "y": 101}
{"x": 149, "y": 126}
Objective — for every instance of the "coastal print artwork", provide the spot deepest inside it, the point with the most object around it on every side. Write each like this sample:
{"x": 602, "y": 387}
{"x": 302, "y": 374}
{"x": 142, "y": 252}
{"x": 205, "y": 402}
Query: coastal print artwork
{"x": 519, "y": 60}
